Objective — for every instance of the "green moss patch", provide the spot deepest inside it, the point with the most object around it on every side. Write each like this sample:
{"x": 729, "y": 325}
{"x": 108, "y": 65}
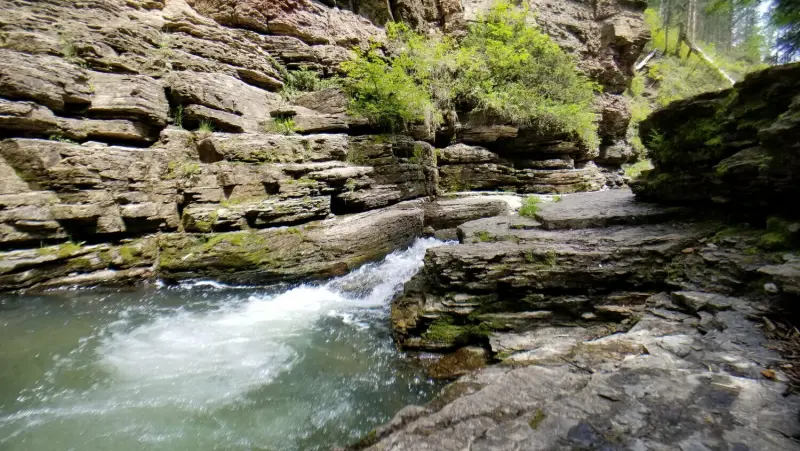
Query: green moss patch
{"x": 537, "y": 419}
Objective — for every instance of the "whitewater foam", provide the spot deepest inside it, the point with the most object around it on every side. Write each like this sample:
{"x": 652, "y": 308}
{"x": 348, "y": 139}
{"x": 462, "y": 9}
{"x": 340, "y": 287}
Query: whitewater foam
{"x": 216, "y": 356}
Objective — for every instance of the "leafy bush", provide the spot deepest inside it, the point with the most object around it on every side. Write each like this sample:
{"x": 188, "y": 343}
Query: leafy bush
{"x": 513, "y": 70}
{"x": 504, "y": 66}
{"x": 304, "y": 80}
{"x": 390, "y": 92}
{"x": 635, "y": 170}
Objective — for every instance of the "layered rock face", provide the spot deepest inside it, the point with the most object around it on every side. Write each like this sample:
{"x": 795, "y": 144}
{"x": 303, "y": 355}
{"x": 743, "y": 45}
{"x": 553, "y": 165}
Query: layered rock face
{"x": 615, "y": 324}
{"x": 607, "y": 38}
{"x": 100, "y": 176}
{"x": 606, "y": 315}
{"x": 513, "y": 273}
{"x": 736, "y": 148}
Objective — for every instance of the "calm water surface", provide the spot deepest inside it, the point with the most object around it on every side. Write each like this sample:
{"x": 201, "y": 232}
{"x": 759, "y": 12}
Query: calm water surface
{"x": 206, "y": 367}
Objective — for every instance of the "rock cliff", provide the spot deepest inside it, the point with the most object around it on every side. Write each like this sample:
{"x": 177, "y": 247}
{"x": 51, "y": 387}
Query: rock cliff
{"x": 141, "y": 135}
{"x": 615, "y": 323}
{"x": 611, "y": 323}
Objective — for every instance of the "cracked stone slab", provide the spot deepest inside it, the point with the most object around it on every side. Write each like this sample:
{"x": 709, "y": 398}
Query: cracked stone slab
{"x": 663, "y": 385}
{"x": 601, "y": 209}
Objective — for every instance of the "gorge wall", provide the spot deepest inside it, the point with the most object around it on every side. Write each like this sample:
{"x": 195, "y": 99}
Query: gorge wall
{"x": 102, "y": 179}
{"x": 602, "y": 321}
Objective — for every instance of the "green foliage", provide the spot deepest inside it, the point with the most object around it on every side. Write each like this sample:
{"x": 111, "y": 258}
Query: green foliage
{"x": 504, "y": 66}
{"x": 514, "y": 70}
{"x": 281, "y": 124}
{"x": 782, "y": 31}
{"x": 304, "y": 80}
{"x": 483, "y": 236}
{"x": 69, "y": 50}
{"x": 530, "y": 206}
{"x": 684, "y": 74}
{"x": 390, "y": 93}
{"x": 62, "y": 139}
{"x": 640, "y": 109}
{"x": 779, "y": 235}
{"x": 678, "y": 78}
{"x": 786, "y": 19}
{"x": 190, "y": 169}
{"x": 635, "y": 170}
{"x": 537, "y": 419}
{"x": 177, "y": 116}
{"x": 205, "y": 128}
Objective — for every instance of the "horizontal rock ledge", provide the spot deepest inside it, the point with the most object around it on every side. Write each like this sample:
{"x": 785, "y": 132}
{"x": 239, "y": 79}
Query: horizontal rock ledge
{"x": 317, "y": 249}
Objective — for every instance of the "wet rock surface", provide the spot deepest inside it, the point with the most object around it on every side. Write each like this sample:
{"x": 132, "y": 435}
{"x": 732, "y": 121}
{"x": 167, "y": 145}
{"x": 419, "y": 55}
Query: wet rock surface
{"x": 665, "y": 384}
{"x": 638, "y": 329}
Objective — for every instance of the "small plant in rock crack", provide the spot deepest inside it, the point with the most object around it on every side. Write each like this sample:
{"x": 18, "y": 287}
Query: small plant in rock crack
{"x": 191, "y": 169}
{"x": 530, "y": 206}
{"x": 177, "y": 116}
{"x": 62, "y": 139}
{"x": 282, "y": 125}
{"x": 205, "y": 128}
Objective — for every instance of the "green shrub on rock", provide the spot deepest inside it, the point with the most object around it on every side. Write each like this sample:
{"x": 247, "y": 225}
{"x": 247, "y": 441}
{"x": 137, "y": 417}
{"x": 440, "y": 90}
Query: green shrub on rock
{"x": 505, "y": 67}
{"x": 530, "y": 206}
{"x": 304, "y": 80}
{"x": 390, "y": 92}
{"x": 511, "y": 69}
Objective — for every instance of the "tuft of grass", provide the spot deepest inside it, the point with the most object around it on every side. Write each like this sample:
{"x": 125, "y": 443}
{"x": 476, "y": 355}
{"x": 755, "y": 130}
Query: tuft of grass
{"x": 483, "y": 236}
{"x": 191, "y": 169}
{"x": 283, "y": 125}
{"x": 530, "y": 206}
{"x": 62, "y": 139}
{"x": 205, "y": 128}
{"x": 177, "y": 116}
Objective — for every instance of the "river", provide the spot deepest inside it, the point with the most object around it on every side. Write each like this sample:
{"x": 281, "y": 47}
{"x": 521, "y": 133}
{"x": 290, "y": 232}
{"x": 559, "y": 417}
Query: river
{"x": 203, "y": 366}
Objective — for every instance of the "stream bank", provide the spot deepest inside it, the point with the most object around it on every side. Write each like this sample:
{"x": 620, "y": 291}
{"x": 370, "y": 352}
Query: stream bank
{"x": 660, "y": 320}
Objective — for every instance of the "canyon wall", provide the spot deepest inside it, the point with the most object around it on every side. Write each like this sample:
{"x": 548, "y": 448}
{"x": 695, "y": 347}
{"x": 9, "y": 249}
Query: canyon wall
{"x": 129, "y": 126}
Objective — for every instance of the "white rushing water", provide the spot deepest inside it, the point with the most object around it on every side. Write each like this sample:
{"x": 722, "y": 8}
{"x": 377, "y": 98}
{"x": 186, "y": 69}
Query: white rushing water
{"x": 206, "y": 366}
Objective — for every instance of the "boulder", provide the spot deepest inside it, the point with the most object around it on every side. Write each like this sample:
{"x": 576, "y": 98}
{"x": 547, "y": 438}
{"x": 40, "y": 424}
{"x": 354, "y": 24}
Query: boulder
{"x": 446, "y": 213}
{"x": 735, "y": 148}
{"x": 602, "y": 209}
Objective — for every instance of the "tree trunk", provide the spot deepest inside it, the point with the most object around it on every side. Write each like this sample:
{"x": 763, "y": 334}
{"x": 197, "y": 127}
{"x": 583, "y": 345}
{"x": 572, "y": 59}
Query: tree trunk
{"x": 709, "y": 61}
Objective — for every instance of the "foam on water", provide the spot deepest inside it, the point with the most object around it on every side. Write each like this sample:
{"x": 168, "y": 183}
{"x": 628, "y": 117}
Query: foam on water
{"x": 216, "y": 356}
{"x": 211, "y": 357}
